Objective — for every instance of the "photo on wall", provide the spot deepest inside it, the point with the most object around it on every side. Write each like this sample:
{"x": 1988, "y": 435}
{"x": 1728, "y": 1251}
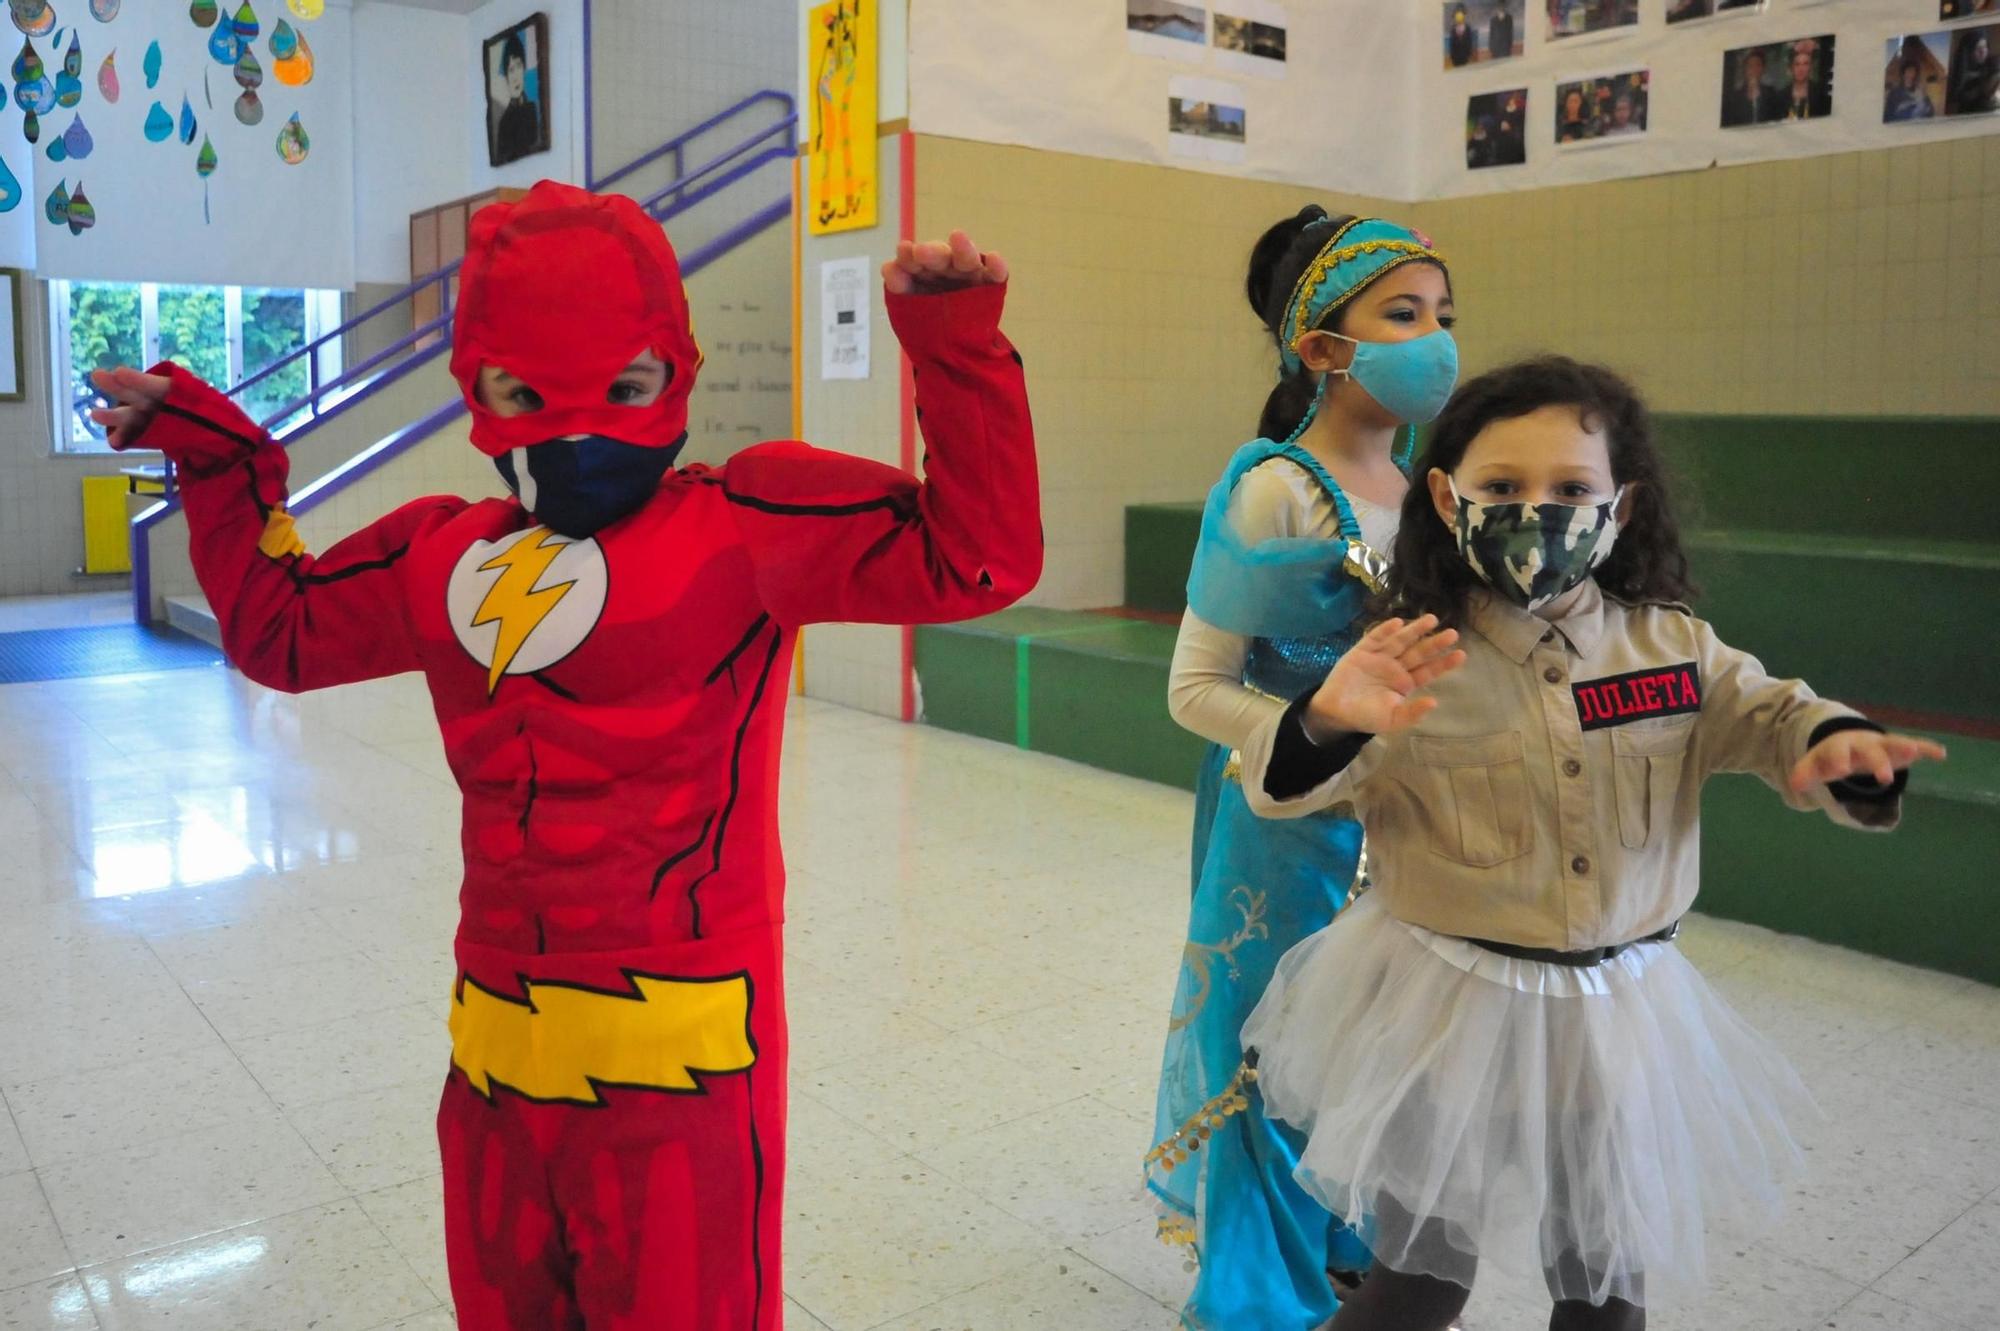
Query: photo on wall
{"x": 1496, "y": 129}
{"x": 517, "y": 91}
{"x": 1952, "y": 9}
{"x": 1913, "y": 79}
{"x": 1684, "y": 11}
{"x": 1478, "y": 31}
{"x": 1206, "y": 119}
{"x": 1577, "y": 18}
{"x": 1611, "y": 109}
{"x": 1778, "y": 82}
{"x": 1972, "y": 84}
{"x": 1250, "y": 37}
{"x": 1167, "y": 28}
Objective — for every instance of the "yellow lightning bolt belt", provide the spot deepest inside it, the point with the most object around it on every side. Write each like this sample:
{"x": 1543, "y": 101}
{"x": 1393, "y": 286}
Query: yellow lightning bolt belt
{"x": 563, "y": 1042}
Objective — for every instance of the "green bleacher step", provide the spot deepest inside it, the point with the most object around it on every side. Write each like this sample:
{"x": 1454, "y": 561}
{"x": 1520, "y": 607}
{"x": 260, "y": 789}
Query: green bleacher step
{"x": 1159, "y": 551}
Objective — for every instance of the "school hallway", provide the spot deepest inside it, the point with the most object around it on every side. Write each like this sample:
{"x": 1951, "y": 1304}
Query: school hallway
{"x": 225, "y": 923}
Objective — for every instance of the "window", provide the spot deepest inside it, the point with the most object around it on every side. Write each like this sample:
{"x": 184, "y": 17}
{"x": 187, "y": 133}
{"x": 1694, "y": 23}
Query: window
{"x": 224, "y": 334}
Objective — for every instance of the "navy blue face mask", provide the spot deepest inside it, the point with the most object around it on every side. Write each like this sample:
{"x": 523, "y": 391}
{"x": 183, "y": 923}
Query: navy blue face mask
{"x": 580, "y": 485}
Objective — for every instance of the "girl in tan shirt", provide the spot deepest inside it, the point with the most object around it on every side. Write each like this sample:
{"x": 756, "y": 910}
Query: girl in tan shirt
{"x": 1499, "y": 1054}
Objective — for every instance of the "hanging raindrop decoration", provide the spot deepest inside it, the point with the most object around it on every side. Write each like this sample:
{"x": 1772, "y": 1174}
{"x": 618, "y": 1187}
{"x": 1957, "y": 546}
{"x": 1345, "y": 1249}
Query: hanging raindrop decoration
{"x": 77, "y": 142}
{"x": 159, "y": 125}
{"x": 187, "y": 121}
{"x": 36, "y": 18}
{"x": 294, "y": 62}
{"x": 223, "y": 44}
{"x": 107, "y": 79}
{"x": 33, "y": 92}
{"x": 152, "y": 65}
{"x": 204, "y": 166}
{"x": 56, "y": 208}
{"x": 10, "y": 189}
{"x": 293, "y": 142}
{"x": 246, "y": 24}
{"x": 104, "y": 10}
{"x": 203, "y": 13}
{"x": 82, "y": 215}
{"x": 250, "y": 76}
{"x": 307, "y": 9}
{"x": 69, "y": 83}
{"x": 58, "y": 150}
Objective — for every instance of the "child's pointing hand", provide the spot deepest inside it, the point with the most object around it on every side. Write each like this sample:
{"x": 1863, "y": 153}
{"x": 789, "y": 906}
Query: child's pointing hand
{"x": 939, "y": 265}
{"x": 1849, "y": 753}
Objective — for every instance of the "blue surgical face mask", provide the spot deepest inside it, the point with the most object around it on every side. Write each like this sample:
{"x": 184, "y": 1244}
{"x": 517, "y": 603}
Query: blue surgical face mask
{"x": 1412, "y": 380}
{"x": 580, "y": 484}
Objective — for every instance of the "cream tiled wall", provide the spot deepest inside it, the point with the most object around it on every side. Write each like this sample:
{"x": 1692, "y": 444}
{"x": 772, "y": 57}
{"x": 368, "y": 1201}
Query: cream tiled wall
{"x": 1865, "y": 283}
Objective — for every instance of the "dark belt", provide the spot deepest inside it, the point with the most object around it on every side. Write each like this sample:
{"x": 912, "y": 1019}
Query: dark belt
{"x": 1590, "y": 956}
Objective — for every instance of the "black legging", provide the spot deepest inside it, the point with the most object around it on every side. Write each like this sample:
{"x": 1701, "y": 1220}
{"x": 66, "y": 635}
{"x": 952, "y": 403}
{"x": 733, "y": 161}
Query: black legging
{"x": 1392, "y": 1301}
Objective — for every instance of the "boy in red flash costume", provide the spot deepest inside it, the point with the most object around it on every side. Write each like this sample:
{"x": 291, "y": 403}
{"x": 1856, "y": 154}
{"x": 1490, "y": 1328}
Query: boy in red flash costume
{"x": 607, "y": 652}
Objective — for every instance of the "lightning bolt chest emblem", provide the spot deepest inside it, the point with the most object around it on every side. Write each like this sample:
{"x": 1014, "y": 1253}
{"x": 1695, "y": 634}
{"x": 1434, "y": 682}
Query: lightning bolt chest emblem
{"x": 525, "y": 602}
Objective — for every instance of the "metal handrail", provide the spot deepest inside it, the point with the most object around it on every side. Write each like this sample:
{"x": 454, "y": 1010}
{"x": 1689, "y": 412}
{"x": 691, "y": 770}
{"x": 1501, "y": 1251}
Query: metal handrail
{"x": 683, "y": 193}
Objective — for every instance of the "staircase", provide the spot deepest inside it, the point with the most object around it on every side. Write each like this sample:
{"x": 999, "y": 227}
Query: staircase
{"x": 764, "y": 129}
{"x": 1857, "y": 568}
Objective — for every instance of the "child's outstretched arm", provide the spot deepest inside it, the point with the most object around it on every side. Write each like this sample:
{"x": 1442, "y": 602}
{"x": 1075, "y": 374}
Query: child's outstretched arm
{"x": 1318, "y": 753}
{"x": 288, "y": 620}
{"x": 835, "y": 537}
{"x": 1815, "y": 752}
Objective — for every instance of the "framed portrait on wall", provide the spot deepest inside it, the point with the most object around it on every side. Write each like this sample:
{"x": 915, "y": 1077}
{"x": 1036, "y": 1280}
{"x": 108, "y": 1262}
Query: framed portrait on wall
{"x": 12, "y": 377}
{"x": 515, "y": 63}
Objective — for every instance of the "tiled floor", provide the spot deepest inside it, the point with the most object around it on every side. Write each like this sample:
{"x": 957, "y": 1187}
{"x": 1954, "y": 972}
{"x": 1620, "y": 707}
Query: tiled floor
{"x": 224, "y": 918}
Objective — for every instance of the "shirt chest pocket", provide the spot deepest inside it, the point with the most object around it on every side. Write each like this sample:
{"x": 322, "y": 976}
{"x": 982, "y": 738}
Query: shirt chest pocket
{"x": 1646, "y": 763}
{"x": 1475, "y": 796}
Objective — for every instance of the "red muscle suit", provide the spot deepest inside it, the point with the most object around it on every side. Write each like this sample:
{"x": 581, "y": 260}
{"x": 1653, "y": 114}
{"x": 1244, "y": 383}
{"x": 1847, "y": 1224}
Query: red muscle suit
{"x": 613, "y": 1124}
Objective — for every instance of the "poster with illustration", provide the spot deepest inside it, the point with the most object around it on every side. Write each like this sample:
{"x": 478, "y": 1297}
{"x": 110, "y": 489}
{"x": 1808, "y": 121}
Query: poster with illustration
{"x": 1479, "y": 31}
{"x": 843, "y": 182}
{"x": 517, "y": 91}
{"x": 1250, "y": 38}
{"x": 1167, "y": 29}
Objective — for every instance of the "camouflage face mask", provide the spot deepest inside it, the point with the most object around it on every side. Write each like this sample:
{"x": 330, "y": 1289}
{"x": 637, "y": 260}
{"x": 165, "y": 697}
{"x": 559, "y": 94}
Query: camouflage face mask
{"x": 1533, "y": 553}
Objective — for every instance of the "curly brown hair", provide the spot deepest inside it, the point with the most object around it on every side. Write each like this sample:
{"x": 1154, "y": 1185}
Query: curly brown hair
{"x": 1427, "y": 575}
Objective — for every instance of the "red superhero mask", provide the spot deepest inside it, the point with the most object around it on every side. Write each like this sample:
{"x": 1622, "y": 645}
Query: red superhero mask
{"x": 563, "y": 289}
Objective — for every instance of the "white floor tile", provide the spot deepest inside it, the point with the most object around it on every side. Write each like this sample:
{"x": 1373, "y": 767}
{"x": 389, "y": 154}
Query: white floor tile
{"x": 376, "y": 1139}
{"x": 243, "y": 1004}
{"x": 1062, "y": 1290}
{"x": 369, "y": 1052}
{"x": 13, "y": 1151}
{"x": 1072, "y": 1170}
{"x": 1956, "y": 1275}
{"x": 54, "y": 1305}
{"x": 411, "y": 1216}
{"x": 182, "y": 1187}
{"x": 327, "y": 1268}
{"x": 34, "y": 1250}
{"x": 98, "y": 1113}
{"x": 1872, "y": 1312}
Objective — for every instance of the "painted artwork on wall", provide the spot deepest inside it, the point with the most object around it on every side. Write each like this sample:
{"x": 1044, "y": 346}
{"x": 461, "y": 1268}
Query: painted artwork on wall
{"x": 1603, "y": 110}
{"x": 1496, "y": 129}
{"x": 842, "y": 138}
{"x": 1778, "y": 82}
{"x": 1478, "y": 31}
{"x": 1575, "y": 18}
{"x": 516, "y": 62}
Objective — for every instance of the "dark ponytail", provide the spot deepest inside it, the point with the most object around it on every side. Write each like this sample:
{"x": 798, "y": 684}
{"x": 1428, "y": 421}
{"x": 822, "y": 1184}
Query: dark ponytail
{"x": 1277, "y": 261}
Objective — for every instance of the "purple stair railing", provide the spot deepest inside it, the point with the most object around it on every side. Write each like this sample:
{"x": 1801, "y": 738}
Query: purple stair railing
{"x": 327, "y": 400}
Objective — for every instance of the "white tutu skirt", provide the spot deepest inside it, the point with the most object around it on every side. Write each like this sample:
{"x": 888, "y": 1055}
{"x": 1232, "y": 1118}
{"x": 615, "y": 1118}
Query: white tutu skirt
{"x": 1587, "y": 1123}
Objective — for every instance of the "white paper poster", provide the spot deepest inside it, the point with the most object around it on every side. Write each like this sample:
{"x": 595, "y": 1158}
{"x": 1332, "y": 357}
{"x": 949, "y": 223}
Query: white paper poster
{"x": 1251, "y": 38}
{"x": 843, "y": 311}
{"x": 1206, "y": 119}
{"x": 1168, "y": 29}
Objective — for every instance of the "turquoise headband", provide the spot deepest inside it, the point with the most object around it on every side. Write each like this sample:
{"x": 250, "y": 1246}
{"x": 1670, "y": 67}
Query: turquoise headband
{"x": 1355, "y": 254}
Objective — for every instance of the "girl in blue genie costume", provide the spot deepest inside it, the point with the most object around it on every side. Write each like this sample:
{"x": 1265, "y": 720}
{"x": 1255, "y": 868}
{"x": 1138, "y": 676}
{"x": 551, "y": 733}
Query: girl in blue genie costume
{"x": 1361, "y": 311}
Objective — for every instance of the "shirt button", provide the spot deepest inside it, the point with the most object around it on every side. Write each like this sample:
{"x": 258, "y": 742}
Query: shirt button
{"x": 1571, "y": 767}
{"x": 1553, "y": 675}
{"x": 1579, "y": 866}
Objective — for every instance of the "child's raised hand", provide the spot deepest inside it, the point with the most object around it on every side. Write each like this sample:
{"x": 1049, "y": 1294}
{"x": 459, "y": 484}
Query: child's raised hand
{"x": 1848, "y": 753}
{"x": 941, "y": 265}
{"x": 1372, "y": 689}
{"x": 136, "y": 396}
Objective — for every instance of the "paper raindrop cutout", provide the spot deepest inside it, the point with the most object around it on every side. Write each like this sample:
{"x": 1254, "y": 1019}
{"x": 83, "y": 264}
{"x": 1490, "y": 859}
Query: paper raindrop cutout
{"x": 224, "y": 45}
{"x": 296, "y": 69}
{"x": 107, "y": 79}
{"x": 10, "y": 189}
{"x": 284, "y": 40}
{"x": 69, "y": 83}
{"x": 307, "y": 9}
{"x": 293, "y": 143}
{"x": 187, "y": 121}
{"x": 246, "y": 23}
{"x": 32, "y": 90}
{"x": 104, "y": 10}
{"x": 249, "y": 108}
{"x": 152, "y": 65}
{"x": 249, "y": 74}
{"x": 159, "y": 125}
{"x": 37, "y": 18}
{"x": 82, "y": 214}
{"x": 77, "y": 142}
{"x": 56, "y": 209}
{"x": 57, "y": 150}
{"x": 203, "y": 13}
{"x": 204, "y": 166}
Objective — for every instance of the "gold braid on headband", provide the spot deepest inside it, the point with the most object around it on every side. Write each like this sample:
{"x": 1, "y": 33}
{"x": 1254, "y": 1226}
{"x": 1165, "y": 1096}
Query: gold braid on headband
{"x": 1356, "y": 254}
